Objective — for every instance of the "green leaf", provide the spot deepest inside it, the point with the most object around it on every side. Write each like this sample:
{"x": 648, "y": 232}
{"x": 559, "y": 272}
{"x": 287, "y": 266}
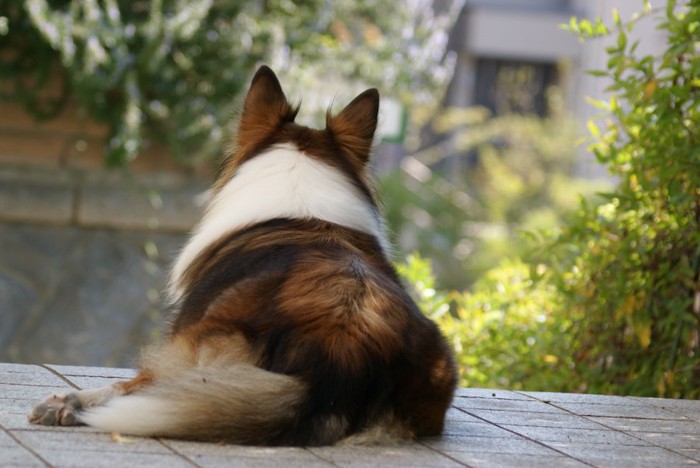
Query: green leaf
{"x": 621, "y": 40}
{"x": 593, "y": 128}
{"x": 616, "y": 17}
{"x": 597, "y": 72}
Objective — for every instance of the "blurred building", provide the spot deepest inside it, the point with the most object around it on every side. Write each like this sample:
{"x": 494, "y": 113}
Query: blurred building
{"x": 510, "y": 51}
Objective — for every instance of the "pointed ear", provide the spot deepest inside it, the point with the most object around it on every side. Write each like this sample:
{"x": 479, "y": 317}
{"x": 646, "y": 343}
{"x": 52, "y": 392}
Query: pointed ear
{"x": 265, "y": 106}
{"x": 353, "y": 128}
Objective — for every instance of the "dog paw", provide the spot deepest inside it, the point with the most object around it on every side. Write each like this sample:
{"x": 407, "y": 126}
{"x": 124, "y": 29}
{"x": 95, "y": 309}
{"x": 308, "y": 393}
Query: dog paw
{"x": 57, "y": 410}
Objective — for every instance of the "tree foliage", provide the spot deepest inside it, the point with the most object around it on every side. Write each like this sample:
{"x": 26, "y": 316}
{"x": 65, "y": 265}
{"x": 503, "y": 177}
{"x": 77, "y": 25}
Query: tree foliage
{"x": 629, "y": 269}
{"x": 171, "y": 69}
{"x": 610, "y": 302}
{"x": 521, "y": 180}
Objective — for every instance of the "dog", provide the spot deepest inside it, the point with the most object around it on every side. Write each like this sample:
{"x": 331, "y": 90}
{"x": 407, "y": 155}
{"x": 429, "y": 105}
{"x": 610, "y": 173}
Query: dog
{"x": 290, "y": 324}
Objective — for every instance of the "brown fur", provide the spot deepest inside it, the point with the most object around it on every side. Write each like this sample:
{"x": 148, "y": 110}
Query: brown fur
{"x": 294, "y": 331}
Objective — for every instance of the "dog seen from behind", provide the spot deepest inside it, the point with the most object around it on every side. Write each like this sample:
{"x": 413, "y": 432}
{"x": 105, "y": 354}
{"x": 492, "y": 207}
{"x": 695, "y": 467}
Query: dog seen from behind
{"x": 290, "y": 325}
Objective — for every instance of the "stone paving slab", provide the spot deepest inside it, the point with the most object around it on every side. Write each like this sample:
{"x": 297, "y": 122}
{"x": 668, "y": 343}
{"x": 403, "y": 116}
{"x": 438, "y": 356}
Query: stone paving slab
{"x": 484, "y": 428}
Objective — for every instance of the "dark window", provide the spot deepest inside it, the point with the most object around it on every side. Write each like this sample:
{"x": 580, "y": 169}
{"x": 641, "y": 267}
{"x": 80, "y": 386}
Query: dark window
{"x": 505, "y": 86}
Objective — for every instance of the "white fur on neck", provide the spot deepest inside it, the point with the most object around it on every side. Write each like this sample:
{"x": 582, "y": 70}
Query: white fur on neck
{"x": 281, "y": 183}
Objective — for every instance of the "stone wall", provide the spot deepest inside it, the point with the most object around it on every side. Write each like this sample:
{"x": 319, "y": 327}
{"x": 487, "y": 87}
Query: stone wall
{"x": 84, "y": 251}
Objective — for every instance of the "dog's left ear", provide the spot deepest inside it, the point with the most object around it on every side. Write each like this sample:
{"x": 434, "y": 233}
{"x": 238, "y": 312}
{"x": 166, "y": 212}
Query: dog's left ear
{"x": 353, "y": 128}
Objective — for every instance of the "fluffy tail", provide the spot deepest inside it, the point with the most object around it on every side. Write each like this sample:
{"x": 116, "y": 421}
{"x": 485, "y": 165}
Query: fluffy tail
{"x": 243, "y": 404}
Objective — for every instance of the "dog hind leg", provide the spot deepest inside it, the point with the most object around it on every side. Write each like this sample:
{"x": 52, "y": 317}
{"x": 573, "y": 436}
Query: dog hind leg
{"x": 63, "y": 409}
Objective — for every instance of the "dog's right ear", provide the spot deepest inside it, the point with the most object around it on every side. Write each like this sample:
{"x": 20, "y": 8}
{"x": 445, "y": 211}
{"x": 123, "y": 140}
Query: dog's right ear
{"x": 265, "y": 107}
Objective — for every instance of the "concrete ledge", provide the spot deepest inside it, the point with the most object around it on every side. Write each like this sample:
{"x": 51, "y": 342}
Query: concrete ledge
{"x": 156, "y": 201}
{"x": 484, "y": 428}
{"x": 141, "y": 201}
{"x": 36, "y": 196}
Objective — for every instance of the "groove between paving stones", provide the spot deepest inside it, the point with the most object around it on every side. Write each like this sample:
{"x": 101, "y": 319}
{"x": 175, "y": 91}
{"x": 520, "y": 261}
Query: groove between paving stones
{"x": 60, "y": 376}
{"x": 482, "y": 430}
{"x": 566, "y": 455}
{"x": 645, "y": 441}
{"x": 323, "y": 459}
{"x": 443, "y": 454}
{"x": 25, "y": 447}
{"x": 165, "y": 444}
{"x": 614, "y": 429}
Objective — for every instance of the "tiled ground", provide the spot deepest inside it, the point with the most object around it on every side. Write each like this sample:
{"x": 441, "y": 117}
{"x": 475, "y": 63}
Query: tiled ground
{"x": 485, "y": 428}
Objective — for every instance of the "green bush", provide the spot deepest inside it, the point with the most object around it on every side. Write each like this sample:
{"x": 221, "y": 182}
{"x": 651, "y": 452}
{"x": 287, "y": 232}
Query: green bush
{"x": 609, "y": 303}
{"x": 507, "y": 331}
{"x": 628, "y": 271}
